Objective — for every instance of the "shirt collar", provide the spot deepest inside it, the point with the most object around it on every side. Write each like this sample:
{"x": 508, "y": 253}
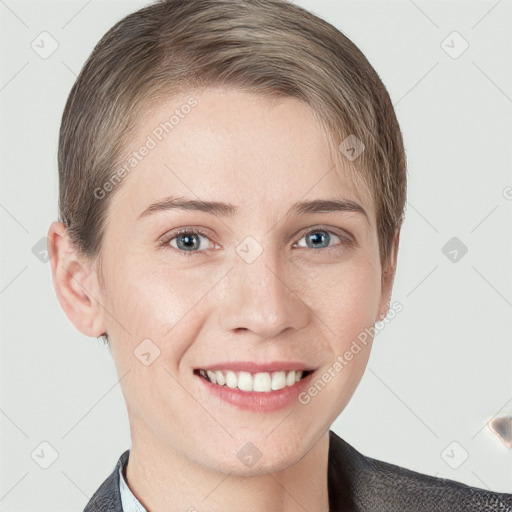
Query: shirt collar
{"x": 129, "y": 502}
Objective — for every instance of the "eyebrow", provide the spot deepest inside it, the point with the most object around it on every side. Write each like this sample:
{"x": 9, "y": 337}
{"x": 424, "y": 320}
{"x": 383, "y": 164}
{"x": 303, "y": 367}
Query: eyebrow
{"x": 228, "y": 210}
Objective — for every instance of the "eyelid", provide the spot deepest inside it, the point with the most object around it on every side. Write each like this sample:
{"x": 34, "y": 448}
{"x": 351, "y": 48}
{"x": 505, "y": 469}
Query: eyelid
{"x": 341, "y": 233}
{"x": 345, "y": 237}
{"x": 186, "y": 229}
{"x": 164, "y": 240}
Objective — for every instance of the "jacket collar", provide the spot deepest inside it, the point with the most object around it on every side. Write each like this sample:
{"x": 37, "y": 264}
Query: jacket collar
{"x": 108, "y": 496}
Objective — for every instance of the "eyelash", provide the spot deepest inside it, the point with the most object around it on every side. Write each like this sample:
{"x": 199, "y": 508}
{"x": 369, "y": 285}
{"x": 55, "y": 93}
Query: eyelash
{"x": 164, "y": 242}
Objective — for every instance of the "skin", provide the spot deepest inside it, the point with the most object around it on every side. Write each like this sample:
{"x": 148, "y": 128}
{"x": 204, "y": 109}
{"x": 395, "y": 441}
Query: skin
{"x": 296, "y": 301}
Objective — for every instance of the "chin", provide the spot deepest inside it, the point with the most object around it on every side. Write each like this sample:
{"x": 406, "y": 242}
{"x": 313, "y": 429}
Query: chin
{"x": 263, "y": 466}
{"x": 259, "y": 456}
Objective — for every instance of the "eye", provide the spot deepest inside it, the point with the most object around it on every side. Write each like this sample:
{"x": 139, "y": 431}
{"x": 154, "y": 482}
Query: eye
{"x": 320, "y": 238}
{"x": 187, "y": 241}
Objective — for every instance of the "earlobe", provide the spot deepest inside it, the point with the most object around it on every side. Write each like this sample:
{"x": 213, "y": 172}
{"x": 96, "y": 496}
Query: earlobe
{"x": 75, "y": 281}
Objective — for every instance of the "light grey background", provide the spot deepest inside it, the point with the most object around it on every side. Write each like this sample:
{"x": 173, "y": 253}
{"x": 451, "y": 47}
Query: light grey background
{"x": 438, "y": 372}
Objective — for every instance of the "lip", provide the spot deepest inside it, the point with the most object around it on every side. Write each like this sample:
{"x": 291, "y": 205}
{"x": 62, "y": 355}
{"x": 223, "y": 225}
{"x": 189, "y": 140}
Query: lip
{"x": 257, "y": 401}
{"x": 252, "y": 367}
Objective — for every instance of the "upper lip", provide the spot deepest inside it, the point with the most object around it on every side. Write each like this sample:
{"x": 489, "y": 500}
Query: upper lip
{"x": 252, "y": 367}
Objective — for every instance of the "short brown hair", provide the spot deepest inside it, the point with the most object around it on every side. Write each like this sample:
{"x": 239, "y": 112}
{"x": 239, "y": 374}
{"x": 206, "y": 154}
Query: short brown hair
{"x": 269, "y": 47}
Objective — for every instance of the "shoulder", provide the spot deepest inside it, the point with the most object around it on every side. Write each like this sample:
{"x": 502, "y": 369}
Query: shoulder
{"x": 411, "y": 490}
{"x": 108, "y": 497}
{"x": 377, "y": 485}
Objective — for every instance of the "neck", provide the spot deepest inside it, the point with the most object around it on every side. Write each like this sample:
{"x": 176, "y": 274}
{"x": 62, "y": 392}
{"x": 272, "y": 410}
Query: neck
{"x": 163, "y": 479}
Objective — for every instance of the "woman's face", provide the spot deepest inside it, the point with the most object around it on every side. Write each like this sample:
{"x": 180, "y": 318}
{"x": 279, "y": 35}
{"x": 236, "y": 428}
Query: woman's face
{"x": 252, "y": 280}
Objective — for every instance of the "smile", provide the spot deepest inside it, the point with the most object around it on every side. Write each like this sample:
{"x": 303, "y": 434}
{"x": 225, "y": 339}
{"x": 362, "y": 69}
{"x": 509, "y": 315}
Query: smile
{"x": 260, "y": 382}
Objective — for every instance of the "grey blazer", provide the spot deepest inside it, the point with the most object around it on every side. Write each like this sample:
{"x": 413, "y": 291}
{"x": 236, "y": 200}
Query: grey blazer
{"x": 357, "y": 483}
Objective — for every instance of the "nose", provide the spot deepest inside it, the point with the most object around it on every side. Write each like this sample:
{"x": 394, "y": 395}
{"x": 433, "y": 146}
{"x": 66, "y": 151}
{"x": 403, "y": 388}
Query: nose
{"x": 259, "y": 296}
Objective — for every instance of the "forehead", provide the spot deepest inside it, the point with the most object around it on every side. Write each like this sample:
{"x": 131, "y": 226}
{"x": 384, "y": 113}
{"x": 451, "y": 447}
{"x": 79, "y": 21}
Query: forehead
{"x": 261, "y": 154}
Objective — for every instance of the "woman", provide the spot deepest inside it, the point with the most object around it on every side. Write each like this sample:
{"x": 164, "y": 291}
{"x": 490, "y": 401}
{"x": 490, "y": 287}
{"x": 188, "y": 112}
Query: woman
{"x": 232, "y": 188}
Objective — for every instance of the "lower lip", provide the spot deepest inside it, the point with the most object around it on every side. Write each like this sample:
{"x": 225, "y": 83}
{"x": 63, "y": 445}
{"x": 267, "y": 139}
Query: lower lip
{"x": 258, "y": 401}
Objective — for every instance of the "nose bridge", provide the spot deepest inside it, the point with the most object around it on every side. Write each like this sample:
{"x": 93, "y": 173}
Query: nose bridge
{"x": 258, "y": 295}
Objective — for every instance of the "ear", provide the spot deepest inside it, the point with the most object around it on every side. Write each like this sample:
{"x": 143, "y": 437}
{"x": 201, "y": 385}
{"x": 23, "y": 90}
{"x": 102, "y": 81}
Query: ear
{"x": 388, "y": 278}
{"x": 75, "y": 281}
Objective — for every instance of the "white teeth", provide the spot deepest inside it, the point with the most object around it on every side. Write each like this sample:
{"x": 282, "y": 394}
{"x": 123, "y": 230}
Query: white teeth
{"x": 245, "y": 381}
{"x": 290, "y": 378}
{"x": 231, "y": 380}
{"x": 278, "y": 380}
{"x": 262, "y": 382}
{"x": 211, "y": 376}
{"x": 220, "y": 378}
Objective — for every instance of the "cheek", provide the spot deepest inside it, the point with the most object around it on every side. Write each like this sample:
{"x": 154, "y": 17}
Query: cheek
{"x": 347, "y": 300}
{"x": 157, "y": 303}
{"x": 348, "y": 307}
{"x": 155, "y": 319}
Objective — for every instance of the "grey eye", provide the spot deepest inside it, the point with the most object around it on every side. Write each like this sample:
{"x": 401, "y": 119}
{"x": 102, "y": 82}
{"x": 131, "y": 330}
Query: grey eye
{"x": 188, "y": 241}
{"x": 318, "y": 238}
